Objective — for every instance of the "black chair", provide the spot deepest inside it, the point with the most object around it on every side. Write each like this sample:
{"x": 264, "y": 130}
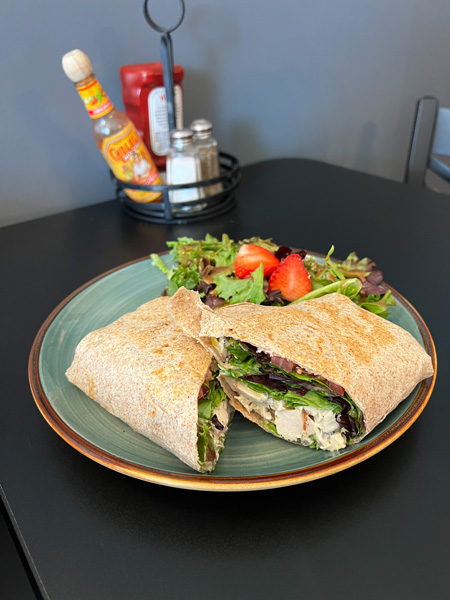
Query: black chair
{"x": 430, "y": 138}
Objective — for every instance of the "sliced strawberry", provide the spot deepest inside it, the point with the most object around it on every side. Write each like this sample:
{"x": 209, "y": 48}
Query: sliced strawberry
{"x": 250, "y": 256}
{"x": 291, "y": 278}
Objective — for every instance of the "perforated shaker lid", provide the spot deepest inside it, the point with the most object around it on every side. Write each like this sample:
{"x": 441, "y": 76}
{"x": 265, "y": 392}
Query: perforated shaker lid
{"x": 201, "y": 127}
{"x": 181, "y": 137}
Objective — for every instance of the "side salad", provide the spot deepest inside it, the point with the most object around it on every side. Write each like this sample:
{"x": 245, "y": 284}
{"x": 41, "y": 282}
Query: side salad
{"x": 259, "y": 271}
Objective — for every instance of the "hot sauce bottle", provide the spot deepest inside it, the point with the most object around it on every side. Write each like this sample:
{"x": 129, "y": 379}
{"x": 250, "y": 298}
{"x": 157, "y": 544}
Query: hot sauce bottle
{"x": 115, "y": 134}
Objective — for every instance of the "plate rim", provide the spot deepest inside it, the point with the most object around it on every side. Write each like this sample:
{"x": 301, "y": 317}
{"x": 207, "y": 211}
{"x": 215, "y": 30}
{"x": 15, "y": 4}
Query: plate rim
{"x": 205, "y": 482}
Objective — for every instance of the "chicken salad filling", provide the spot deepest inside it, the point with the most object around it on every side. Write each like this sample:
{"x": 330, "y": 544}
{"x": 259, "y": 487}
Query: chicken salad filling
{"x": 297, "y": 406}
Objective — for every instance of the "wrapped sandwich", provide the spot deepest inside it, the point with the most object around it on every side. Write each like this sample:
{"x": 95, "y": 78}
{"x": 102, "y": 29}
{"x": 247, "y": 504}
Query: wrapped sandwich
{"x": 146, "y": 372}
{"x": 322, "y": 373}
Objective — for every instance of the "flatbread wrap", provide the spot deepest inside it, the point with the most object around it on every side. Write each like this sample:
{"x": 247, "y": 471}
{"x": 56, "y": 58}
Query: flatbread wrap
{"x": 146, "y": 372}
{"x": 322, "y": 373}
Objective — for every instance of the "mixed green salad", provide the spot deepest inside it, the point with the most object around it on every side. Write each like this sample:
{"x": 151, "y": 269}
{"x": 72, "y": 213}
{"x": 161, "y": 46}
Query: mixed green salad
{"x": 258, "y": 270}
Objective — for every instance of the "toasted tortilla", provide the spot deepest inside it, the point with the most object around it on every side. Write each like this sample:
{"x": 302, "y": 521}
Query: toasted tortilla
{"x": 146, "y": 372}
{"x": 377, "y": 362}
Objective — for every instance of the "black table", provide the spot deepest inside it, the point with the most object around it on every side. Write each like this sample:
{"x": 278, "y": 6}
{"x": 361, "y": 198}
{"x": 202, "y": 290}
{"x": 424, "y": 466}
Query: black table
{"x": 379, "y": 529}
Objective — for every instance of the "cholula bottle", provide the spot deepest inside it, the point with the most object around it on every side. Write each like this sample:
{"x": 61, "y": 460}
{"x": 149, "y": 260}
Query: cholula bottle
{"x": 115, "y": 134}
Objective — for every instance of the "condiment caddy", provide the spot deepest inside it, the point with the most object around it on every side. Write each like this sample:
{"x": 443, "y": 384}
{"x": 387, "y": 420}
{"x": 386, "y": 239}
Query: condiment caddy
{"x": 199, "y": 181}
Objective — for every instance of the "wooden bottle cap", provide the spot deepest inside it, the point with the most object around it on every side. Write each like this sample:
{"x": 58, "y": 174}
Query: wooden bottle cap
{"x": 76, "y": 65}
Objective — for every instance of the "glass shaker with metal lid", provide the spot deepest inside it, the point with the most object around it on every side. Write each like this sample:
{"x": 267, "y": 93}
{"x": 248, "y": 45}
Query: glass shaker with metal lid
{"x": 183, "y": 166}
{"x": 208, "y": 152}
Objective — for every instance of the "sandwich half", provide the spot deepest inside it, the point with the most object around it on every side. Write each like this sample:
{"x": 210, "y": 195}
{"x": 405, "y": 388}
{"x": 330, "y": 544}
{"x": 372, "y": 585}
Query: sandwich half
{"x": 322, "y": 373}
{"x": 162, "y": 383}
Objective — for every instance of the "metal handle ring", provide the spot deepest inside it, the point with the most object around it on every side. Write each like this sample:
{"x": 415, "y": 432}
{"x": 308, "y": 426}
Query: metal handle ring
{"x": 157, "y": 27}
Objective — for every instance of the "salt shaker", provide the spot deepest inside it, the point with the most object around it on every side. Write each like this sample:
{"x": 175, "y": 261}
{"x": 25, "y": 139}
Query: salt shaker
{"x": 208, "y": 152}
{"x": 183, "y": 166}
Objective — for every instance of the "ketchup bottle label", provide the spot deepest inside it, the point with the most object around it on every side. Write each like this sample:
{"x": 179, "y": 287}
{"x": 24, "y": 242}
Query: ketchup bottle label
{"x": 130, "y": 160}
{"x": 158, "y": 119}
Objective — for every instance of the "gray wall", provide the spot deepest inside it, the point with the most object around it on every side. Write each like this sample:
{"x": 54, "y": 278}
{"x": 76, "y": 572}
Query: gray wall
{"x": 333, "y": 80}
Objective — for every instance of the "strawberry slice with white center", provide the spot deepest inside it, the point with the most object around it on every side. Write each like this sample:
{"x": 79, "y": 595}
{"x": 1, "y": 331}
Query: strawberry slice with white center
{"x": 250, "y": 256}
{"x": 291, "y": 278}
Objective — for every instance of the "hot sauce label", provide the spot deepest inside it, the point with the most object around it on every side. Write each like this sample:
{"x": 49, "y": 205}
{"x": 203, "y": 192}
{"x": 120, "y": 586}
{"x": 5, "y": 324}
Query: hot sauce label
{"x": 130, "y": 160}
{"x": 95, "y": 100}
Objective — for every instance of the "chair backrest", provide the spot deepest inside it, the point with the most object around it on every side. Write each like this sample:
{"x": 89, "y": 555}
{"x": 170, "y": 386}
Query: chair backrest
{"x": 430, "y": 137}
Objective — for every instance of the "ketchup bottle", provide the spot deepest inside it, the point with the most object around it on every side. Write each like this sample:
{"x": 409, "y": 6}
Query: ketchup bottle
{"x": 144, "y": 98}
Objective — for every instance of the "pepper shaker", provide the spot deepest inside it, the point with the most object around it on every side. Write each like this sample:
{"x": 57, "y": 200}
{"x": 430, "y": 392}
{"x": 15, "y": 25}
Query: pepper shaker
{"x": 208, "y": 152}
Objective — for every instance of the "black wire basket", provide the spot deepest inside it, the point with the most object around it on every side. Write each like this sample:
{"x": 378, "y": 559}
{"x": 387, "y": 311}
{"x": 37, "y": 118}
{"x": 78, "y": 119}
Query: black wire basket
{"x": 166, "y": 212}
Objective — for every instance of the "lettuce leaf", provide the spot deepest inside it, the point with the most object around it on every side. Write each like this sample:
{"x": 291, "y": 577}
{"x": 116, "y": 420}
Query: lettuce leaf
{"x": 271, "y": 427}
{"x": 235, "y": 290}
{"x": 215, "y": 396}
{"x": 292, "y": 400}
{"x": 378, "y": 305}
{"x": 203, "y": 439}
{"x": 191, "y": 257}
{"x": 267, "y": 244}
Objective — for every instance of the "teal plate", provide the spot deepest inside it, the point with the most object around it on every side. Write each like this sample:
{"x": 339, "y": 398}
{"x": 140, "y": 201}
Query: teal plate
{"x": 251, "y": 460}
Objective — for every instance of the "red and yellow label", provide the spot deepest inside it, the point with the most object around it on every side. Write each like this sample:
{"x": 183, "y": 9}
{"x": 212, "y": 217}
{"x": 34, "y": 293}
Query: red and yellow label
{"x": 130, "y": 160}
{"x": 95, "y": 100}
